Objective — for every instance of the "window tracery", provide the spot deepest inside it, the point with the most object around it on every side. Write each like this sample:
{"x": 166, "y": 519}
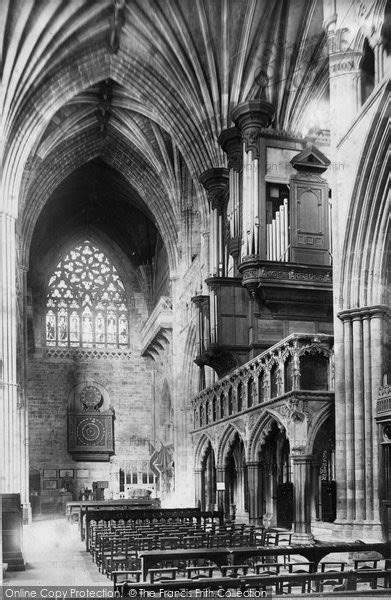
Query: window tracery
{"x": 86, "y": 302}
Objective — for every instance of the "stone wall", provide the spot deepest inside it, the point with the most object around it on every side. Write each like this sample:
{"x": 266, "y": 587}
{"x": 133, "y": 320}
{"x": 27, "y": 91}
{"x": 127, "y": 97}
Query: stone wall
{"x": 128, "y": 382}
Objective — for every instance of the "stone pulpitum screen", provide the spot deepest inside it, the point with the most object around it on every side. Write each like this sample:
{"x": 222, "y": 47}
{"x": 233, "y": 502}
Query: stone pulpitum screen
{"x": 86, "y": 302}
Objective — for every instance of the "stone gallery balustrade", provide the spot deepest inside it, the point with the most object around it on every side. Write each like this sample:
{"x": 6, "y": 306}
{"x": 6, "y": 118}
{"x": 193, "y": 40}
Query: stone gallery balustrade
{"x": 300, "y": 362}
{"x": 384, "y": 401}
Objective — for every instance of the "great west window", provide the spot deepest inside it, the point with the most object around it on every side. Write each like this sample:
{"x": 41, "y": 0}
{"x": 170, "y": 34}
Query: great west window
{"x": 86, "y": 302}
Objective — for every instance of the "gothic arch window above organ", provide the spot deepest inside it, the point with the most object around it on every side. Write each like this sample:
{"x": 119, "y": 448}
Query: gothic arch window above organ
{"x": 86, "y": 303}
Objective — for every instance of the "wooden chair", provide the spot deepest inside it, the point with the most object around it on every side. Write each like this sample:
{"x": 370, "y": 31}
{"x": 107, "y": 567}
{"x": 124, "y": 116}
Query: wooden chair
{"x": 123, "y": 558}
{"x": 303, "y": 584}
{"x": 162, "y": 574}
{"x": 270, "y": 568}
{"x": 332, "y": 568}
{"x": 233, "y": 570}
{"x": 123, "y": 580}
{"x": 200, "y": 572}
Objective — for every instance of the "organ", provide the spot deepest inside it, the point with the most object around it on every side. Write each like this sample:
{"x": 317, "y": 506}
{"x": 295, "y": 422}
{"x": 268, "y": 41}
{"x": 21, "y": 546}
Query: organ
{"x": 273, "y": 205}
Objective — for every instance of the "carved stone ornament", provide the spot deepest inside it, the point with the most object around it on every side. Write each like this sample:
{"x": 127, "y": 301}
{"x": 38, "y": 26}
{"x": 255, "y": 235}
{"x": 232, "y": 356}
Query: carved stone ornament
{"x": 295, "y": 411}
{"x": 251, "y": 137}
{"x": 240, "y": 426}
{"x": 316, "y": 348}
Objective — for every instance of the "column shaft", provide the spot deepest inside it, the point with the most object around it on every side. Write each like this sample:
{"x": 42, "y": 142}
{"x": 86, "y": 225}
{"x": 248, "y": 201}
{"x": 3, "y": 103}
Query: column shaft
{"x": 377, "y": 326}
{"x": 222, "y": 499}
{"x": 368, "y": 418}
{"x": 349, "y": 416}
{"x": 11, "y": 435}
{"x": 302, "y": 465}
{"x": 358, "y": 398}
{"x": 254, "y": 508}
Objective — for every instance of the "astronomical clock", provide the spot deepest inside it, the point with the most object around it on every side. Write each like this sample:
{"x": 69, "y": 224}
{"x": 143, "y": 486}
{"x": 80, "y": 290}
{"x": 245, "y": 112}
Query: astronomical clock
{"x": 90, "y": 427}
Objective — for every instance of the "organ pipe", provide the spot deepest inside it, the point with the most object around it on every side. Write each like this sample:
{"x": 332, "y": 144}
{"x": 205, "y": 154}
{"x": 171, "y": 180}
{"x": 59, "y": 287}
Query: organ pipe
{"x": 278, "y": 235}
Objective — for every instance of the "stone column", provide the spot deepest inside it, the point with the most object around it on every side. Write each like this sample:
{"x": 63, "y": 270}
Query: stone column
{"x": 379, "y": 51}
{"x": 240, "y": 491}
{"x": 254, "y": 508}
{"x": 230, "y": 141}
{"x": 349, "y": 416}
{"x": 213, "y": 484}
{"x": 358, "y": 422}
{"x": 364, "y": 365}
{"x": 13, "y": 411}
{"x": 10, "y": 435}
{"x": 251, "y": 117}
{"x": 378, "y": 325}
{"x": 208, "y": 484}
{"x": 302, "y": 466}
{"x": 222, "y": 499}
{"x": 22, "y": 401}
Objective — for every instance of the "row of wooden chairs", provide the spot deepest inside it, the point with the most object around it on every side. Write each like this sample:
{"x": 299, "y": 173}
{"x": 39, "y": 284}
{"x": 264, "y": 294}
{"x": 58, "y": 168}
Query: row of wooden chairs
{"x": 122, "y": 542}
{"x": 284, "y": 579}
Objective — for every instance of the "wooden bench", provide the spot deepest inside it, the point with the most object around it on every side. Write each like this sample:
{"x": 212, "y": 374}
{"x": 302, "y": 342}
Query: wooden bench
{"x": 219, "y": 556}
{"x": 314, "y": 553}
{"x": 310, "y": 582}
{"x": 164, "y": 572}
{"x": 233, "y": 570}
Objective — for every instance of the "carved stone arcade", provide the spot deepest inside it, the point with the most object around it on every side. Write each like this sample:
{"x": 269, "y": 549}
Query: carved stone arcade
{"x": 247, "y": 403}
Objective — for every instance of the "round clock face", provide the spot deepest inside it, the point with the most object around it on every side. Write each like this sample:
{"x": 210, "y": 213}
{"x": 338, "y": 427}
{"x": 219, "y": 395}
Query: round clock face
{"x": 91, "y": 432}
{"x": 91, "y": 398}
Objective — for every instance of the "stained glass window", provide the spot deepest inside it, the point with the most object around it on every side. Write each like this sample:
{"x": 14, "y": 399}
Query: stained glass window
{"x": 86, "y": 303}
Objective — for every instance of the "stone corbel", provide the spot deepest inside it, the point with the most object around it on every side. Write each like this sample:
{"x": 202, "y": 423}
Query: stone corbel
{"x": 251, "y": 117}
{"x": 215, "y": 181}
{"x": 229, "y": 140}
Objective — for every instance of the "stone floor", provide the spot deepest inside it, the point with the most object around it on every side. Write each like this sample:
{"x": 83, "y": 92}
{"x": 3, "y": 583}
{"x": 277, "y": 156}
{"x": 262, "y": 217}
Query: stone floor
{"x": 55, "y": 555}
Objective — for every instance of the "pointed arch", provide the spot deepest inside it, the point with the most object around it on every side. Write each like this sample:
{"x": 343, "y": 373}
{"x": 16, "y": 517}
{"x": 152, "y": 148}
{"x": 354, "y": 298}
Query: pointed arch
{"x": 363, "y": 269}
{"x": 326, "y": 413}
{"x": 201, "y": 450}
{"x": 225, "y": 442}
{"x": 259, "y": 433}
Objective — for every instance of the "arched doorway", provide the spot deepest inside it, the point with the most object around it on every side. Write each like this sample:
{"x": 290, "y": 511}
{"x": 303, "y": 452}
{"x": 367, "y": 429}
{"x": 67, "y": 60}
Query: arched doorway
{"x": 209, "y": 468}
{"x": 237, "y": 486}
{"x": 276, "y": 487}
{"x": 324, "y": 484}
{"x": 205, "y": 476}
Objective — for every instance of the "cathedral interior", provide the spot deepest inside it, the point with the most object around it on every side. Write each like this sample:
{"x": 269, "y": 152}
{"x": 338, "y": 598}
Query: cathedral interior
{"x": 195, "y": 259}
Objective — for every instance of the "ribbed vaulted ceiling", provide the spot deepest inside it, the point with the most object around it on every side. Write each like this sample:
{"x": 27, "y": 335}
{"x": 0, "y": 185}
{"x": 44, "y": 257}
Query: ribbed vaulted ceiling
{"x": 146, "y": 86}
